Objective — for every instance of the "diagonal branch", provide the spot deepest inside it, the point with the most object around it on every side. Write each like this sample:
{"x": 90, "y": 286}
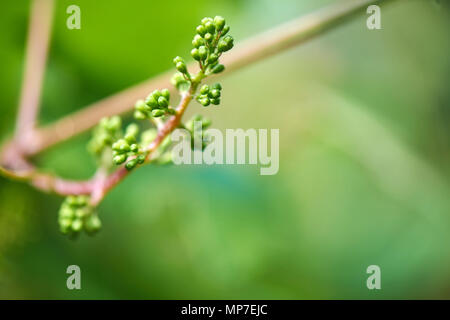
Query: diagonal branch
{"x": 39, "y": 30}
{"x": 257, "y": 48}
{"x": 253, "y": 50}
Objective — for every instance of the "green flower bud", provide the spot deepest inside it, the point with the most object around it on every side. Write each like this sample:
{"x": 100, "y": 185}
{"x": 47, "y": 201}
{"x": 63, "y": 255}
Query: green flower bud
{"x": 77, "y": 225}
{"x": 225, "y": 44}
{"x": 203, "y": 52}
{"x": 93, "y": 223}
{"x": 214, "y": 93}
{"x": 162, "y": 102}
{"x": 66, "y": 213}
{"x": 195, "y": 54}
{"x": 120, "y": 146}
{"x": 130, "y": 139}
{"x": 140, "y": 159}
{"x": 132, "y": 129}
{"x": 134, "y": 148}
{"x": 181, "y": 67}
{"x": 119, "y": 159}
{"x": 166, "y": 94}
{"x": 218, "y": 68}
{"x": 225, "y": 30}
{"x": 81, "y": 213}
{"x": 82, "y": 200}
{"x": 131, "y": 164}
{"x": 206, "y": 20}
{"x": 64, "y": 225}
{"x": 151, "y": 101}
{"x": 198, "y": 41}
{"x": 204, "y": 89}
{"x": 213, "y": 58}
{"x": 204, "y": 101}
{"x": 208, "y": 37}
{"x": 141, "y": 106}
{"x": 210, "y": 27}
{"x": 157, "y": 113}
{"x": 72, "y": 201}
{"x": 139, "y": 115}
{"x": 217, "y": 86}
{"x": 104, "y": 123}
{"x": 201, "y": 30}
{"x": 114, "y": 123}
{"x": 177, "y": 59}
{"x": 219, "y": 22}
{"x": 215, "y": 101}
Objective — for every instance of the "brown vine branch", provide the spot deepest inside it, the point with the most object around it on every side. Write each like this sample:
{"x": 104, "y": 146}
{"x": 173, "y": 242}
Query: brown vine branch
{"x": 255, "y": 49}
{"x": 39, "y": 30}
{"x": 259, "y": 47}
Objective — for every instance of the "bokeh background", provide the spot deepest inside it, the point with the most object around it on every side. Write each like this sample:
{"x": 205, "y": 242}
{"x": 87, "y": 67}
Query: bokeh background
{"x": 364, "y": 160}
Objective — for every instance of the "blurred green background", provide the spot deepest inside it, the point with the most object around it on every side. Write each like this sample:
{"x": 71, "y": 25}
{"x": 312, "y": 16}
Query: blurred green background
{"x": 364, "y": 160}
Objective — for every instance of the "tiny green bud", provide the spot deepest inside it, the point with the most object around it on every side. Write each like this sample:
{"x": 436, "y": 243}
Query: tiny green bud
{"x": 114, "y": 123}
{"x": 71, "y": 201}
{"x": 121, "y": 146}
{"x": 204, "y": 101}
{"x": 82, "y": 200}
{"x": 132, "y": 129}
{"x": 77, "y": 225}
{"x": 206, "y": 20}
{"x": 157, "y": 113}
{"x": 219, "y": 22}
{"x": 225, "y": 30}
{"x": 166, "y": 94}
{"x": 64, "y": 225}
{"x": 93, "y": 224}
{"x": 214, "y": 93}
{"x": 104, "y": 122}
{"x": 119, "y": 159}
{"x": 139, "y": 115}
{"x": 66, "y": 213}
{"x": 80, "y": 213}
{"x": 209, "y": 26}
{"x": 150, "y": 101}
{"x": 203, "y": 53}
{"x": 181, "y": 67}
{"x": 225, "y": 44}
{"x": 141, "y": 106}
{"x": 131, "y": 164}
{"x": 198, "y": 41}
{"x": 141, "y": 159}
{"x": 177, "y": 59}
{"x": 134, "y": 148}
{"x": 129, "y": 138}
{"x": 195, "y": 54}
{"x": 218, "y": 68}
{"x": 217, "y": 86}
{"x": 208, "y": 37}
{"x": 215, "y": 101}
{"x": 204, "y": 89}
{"x": 213, "y": 58}
{"x": 201, "y": 30}
{"x": 162, "y": 102}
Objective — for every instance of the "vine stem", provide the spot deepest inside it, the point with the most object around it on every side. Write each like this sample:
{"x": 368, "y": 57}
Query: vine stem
{"x": 254, "y": 49}
{"x": 251, "y": 51}
{"x": 39, "y": 30}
